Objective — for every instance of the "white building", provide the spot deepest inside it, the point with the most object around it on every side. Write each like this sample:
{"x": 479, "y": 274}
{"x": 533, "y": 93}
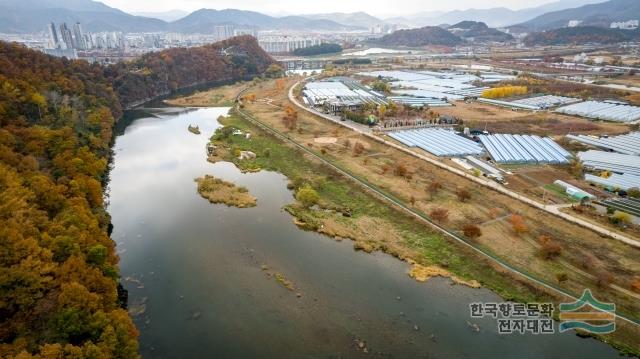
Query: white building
{"x": 286, "y": 44}
{"x": 574, "y": 23}
{"x": 625, "y": 25}
{"x": 246, "y": 31}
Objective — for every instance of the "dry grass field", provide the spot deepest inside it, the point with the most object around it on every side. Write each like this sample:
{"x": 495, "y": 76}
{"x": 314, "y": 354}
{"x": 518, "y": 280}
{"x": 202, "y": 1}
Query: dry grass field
{"x": 503, "y": 120}
{"x": 219, "y": 96}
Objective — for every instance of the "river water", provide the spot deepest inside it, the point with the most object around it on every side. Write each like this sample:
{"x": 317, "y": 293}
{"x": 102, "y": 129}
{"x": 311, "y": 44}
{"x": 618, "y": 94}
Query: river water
{"x": 198, "y": 288}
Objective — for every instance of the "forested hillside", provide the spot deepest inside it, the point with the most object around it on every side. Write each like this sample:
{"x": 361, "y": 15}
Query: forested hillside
{"x": 59, "y": 294}
{"x": 581, "y": 35}
{"x": 428, "y": 35}
{"x": 160, "y": 73}
{"x": 58, "y": 268}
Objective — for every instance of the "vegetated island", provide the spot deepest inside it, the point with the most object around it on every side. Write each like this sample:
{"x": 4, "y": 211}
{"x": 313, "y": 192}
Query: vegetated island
{"x": 220, "y": 191}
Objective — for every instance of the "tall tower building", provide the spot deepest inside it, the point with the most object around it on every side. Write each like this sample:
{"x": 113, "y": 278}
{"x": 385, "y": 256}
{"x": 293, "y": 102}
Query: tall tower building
{"x": 78, "y": 36}
{"x": 53, "y": 37}
{"x": 65, "y": 33}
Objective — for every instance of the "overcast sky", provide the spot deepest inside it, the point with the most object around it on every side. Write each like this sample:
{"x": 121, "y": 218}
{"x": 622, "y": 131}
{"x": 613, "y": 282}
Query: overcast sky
{"x": 384, "y": 8}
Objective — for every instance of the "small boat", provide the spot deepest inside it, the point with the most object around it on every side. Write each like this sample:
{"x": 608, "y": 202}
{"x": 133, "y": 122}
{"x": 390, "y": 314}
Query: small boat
{"x": 194, "y": 129}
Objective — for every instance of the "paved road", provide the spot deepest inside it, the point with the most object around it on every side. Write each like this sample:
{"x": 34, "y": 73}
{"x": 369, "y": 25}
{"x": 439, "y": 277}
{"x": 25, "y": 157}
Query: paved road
{"x": 487, "y": 183}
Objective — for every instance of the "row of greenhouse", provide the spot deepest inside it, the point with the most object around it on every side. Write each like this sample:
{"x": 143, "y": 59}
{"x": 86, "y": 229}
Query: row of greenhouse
{"x": 503, "y": 149}
{"x": 615, "y": 181}
{"x": 603, "y": 110}
{"x": 628, "y": 144}
{"x": 611, "y": 161}
{"x": 524, "y": 149}
{"x": 534, "y": 103}
{"x": 439, "y": 142}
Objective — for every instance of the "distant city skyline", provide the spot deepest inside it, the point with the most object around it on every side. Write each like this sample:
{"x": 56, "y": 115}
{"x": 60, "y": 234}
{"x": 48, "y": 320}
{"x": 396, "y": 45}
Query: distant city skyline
{"x": 284, "y": 7}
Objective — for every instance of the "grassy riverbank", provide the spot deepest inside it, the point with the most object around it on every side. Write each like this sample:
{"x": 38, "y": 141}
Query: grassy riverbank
{"x": 219, "y": 191}
{"x": 346, "y": 211}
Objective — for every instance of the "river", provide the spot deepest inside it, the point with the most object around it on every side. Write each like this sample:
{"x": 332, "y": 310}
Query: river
{"x": 198, "y": 287}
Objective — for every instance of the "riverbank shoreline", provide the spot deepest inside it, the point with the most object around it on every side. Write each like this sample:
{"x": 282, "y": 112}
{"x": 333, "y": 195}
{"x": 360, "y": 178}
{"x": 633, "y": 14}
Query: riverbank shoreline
{"x": 334, "y": 220}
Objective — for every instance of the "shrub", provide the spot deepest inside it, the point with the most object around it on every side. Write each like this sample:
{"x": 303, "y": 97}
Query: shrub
{"x": 400, "y": 170}
{"x": 562, "y": 277}
{"x": 434, "y": 187}
{"x": 633, "y": 192}
{"x": 517, "y": 224}
{"x": 604, "y": 279}
{"x": 290, "y": 119}
{"x": 635, "y": 285}
{"x": 307, "y": 196}
{"x": 439, "y": 215}
{"x": 588, "y": 261}
{"x": 471, "y": 231}
{"x": 358, "y": 148}
{"x": 549, "y": 248}
{"x": 463, "y": 194}
{"x": 620, "y": 218}
{"x": 381, "y": 86}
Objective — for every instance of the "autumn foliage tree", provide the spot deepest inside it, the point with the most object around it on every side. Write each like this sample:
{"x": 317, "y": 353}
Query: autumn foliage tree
{"x": 604, "y": 278}
{"x": 433, "y": 188}
{"x": 549, "y": 248}
{"x": 59, "y": 292}
{"x": 290, "y": 119}
{"x": 463, "y": 194}
{"x": 400, "y": 170}
{"x": 635, "y": 285}
{"x": 471, "y": 231}
{"x": 504, "y": 91}
{"x": 517, "y": 224}
{"x": 358, "y": 148}
{"x": 439, "y": 214}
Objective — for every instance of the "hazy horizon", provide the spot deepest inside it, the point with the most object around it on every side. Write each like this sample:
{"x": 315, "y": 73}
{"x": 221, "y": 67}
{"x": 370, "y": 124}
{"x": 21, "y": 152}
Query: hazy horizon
{"x": 290, "y": 7}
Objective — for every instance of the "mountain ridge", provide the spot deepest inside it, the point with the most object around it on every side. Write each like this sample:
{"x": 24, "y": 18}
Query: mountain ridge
{"x": 424, "y": 36}
{"x": 600, "y": 14}
{"x": 34, "y": 15}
